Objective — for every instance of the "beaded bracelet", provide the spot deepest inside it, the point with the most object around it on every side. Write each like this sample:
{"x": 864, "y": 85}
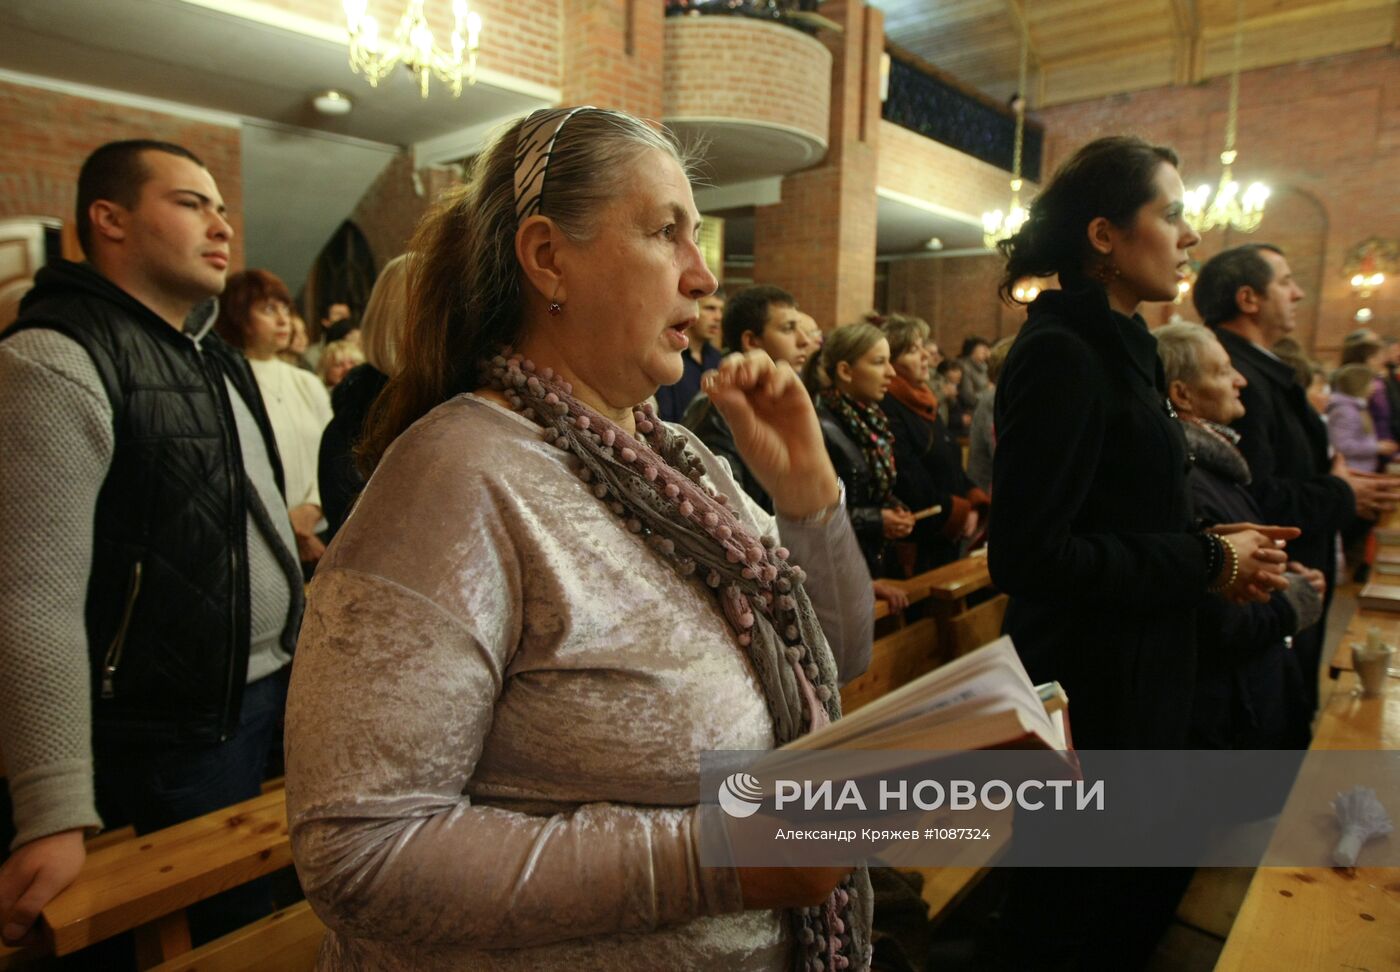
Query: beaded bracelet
{"x": 1215, "y": 558}
{"x": 1228, "y": 550}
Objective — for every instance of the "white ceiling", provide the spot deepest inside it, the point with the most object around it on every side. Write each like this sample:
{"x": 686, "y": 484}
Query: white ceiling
{"x": 195, "y": 55}
{"x": 303, "y": 172}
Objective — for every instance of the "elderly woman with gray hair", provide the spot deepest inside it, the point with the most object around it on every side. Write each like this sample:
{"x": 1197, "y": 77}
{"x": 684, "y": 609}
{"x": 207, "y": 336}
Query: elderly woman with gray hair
{"x": 1249, "y": 688}
{"x": 547, "y": 604}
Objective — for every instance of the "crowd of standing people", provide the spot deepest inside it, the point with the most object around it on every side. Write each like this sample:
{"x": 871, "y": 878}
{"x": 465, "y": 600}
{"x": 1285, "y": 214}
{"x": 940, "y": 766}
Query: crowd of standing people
{"x": 575, "y": 517}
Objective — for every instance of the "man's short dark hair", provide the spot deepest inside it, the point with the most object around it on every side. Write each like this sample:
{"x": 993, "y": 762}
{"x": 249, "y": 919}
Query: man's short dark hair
{"x": 1223, "y": 276}
{"x": 115, "y": 172}
{"x": 748, "y": 311}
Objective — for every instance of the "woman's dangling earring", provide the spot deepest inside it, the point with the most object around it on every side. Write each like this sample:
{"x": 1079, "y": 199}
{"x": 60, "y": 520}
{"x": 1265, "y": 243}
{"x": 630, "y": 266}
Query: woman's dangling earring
{"x": 555, "y": 308}
{"x": 1106, "y": 271}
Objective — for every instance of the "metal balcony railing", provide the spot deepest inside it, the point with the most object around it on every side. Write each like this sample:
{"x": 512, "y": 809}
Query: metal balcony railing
{"x": 790, "y": 13}
{"x": 938, "y": 110}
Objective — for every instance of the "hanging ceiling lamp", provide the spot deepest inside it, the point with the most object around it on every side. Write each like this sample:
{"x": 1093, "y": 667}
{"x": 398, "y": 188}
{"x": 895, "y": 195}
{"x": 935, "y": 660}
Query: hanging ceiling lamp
{"x": 996, "y": 225}
{"x": 413, "y": 46}
{"x": 1230, "y": 207}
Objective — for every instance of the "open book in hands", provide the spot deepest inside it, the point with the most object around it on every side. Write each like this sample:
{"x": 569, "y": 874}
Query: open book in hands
{"x": 983, "y": 700}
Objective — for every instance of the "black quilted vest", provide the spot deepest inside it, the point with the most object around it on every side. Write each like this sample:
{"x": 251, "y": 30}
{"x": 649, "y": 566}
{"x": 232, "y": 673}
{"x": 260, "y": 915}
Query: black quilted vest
{"x": 168, "y": 596}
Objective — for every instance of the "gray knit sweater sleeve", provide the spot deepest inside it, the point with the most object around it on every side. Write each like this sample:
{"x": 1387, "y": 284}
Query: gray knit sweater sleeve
{"x": 56, "y": 443}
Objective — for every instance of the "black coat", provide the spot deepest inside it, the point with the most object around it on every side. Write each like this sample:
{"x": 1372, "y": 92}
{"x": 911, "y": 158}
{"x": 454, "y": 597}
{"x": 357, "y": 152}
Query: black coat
{"x": 1285, "y": 442}
{"x": 1249, "y": 689}
{"x": 709, "y": 427}
{"x": 862, "y": 501}
{"x": 928, "y": 472}
{"x": 336, "y": 471}
{"x": 1091, "y": 526}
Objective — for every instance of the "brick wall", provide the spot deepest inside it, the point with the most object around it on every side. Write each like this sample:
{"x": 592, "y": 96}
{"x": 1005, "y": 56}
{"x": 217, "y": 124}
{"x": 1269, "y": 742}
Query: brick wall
{"x": 48, "y": 134}
{"x": 1325, "y": 135}
{"x": 711, "y": 66}
{"x": 391, "y": 207}
{"x": 519, "y": 37}
{"x": 819, "y": 242}
{"x": 951, "y": 293}
{"x": 920, "y": 167}
{"x": 612, "y": 55}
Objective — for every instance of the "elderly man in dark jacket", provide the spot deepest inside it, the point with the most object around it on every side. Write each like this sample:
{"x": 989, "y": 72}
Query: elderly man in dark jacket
{"x": 1249, "y": 689}
{"x": 1247, "y": 295}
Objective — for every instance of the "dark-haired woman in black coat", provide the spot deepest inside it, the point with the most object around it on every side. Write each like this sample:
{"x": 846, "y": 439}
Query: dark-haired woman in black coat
{"x": 1091, "y": 531}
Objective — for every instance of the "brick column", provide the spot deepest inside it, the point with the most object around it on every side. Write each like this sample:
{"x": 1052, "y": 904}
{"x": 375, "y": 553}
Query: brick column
{"x": 819, "y": 242}
{"x": 612, "y": 55}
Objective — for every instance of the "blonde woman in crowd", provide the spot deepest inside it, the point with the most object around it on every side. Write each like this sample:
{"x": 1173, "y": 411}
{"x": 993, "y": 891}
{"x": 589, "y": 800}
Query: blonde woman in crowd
{"x": 336, "y": 362}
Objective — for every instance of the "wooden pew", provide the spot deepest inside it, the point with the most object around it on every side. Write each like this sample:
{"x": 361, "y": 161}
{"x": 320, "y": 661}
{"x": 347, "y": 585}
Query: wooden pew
{"x": 899, "y": 657}
{"x": 285, "y": 941}
{"x": 145, "y": 883}
{"x": 1302, "y": 918}
{"x": 913, "y": 647}
{"x": 962, "y": 628}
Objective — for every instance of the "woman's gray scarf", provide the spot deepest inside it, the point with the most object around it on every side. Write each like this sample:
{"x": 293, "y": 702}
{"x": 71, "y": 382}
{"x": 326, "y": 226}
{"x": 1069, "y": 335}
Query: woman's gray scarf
{"x": 653, "y": 481}
{"x": 1215, "y": 448}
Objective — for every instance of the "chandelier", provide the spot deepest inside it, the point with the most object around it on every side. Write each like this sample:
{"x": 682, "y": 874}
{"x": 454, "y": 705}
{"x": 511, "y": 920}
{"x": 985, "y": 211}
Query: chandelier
{"x": 1231, "y": 207}
{"x": 996, "y": 225}
{"x": 1370, "y": 263}
{"x": 413, "y": 45}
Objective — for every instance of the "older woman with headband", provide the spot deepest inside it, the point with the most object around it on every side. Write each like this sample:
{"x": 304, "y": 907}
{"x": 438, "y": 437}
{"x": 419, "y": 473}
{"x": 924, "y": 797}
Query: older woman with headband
{"x": 547, "y": 603}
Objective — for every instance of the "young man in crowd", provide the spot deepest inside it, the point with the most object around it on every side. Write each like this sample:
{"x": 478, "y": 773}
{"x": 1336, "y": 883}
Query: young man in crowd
{"x": 148, "y": 579}
{"x": 1248, "y": 296}
{"x": 760, "y": 318}
{"x": 700, "y": 357}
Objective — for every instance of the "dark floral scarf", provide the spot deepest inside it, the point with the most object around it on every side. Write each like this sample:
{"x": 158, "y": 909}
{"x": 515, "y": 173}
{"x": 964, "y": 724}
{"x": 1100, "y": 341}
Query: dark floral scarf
{"x": 868, "y": 429}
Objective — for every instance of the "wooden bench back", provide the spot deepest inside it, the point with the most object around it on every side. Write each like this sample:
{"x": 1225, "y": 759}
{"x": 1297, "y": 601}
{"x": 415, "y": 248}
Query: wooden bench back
{"x": 285, "y": 941}
{"x": 139, "y": 881}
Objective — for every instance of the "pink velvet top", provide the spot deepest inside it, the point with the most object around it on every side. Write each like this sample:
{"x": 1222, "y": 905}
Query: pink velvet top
{"x": 497, "y": 710}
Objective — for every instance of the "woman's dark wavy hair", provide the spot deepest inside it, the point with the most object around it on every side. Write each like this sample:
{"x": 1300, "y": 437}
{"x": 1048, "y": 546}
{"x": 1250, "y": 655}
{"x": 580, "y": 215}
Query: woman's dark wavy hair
{"x": 1110, "y": 177}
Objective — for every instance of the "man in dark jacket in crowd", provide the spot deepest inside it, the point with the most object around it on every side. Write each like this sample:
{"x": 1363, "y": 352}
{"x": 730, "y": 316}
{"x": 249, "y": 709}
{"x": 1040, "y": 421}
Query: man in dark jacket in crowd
{"x": 1247, "y": 295}
{"x": 148, "y": 580}
{"x": 759, "y": 318}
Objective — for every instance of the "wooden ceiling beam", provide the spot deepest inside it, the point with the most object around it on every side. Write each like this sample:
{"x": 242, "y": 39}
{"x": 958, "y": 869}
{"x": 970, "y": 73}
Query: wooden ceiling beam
{"x": 1298, "y": 16}
{"x": 1190, "y": 51}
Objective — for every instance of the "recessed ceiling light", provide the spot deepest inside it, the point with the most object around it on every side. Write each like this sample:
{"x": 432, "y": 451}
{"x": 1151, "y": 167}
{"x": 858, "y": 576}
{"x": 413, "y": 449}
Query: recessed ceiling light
{"x": 332, "y": 102}
{"x": 934, "y": 243}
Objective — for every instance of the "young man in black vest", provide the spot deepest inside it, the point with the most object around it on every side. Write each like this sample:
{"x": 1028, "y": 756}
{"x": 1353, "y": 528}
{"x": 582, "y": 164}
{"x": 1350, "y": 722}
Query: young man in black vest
{"x": 1248, "y": 296}
{"x": 148, "y": 579}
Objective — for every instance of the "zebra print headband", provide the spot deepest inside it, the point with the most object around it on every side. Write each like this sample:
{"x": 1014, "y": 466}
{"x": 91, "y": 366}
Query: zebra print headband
{"x": 533, "y": 147}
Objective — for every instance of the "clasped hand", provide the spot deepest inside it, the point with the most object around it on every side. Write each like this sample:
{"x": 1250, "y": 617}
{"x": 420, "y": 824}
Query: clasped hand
{"x": 1259, "y": 551}
{"x": 776, "y": 430}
